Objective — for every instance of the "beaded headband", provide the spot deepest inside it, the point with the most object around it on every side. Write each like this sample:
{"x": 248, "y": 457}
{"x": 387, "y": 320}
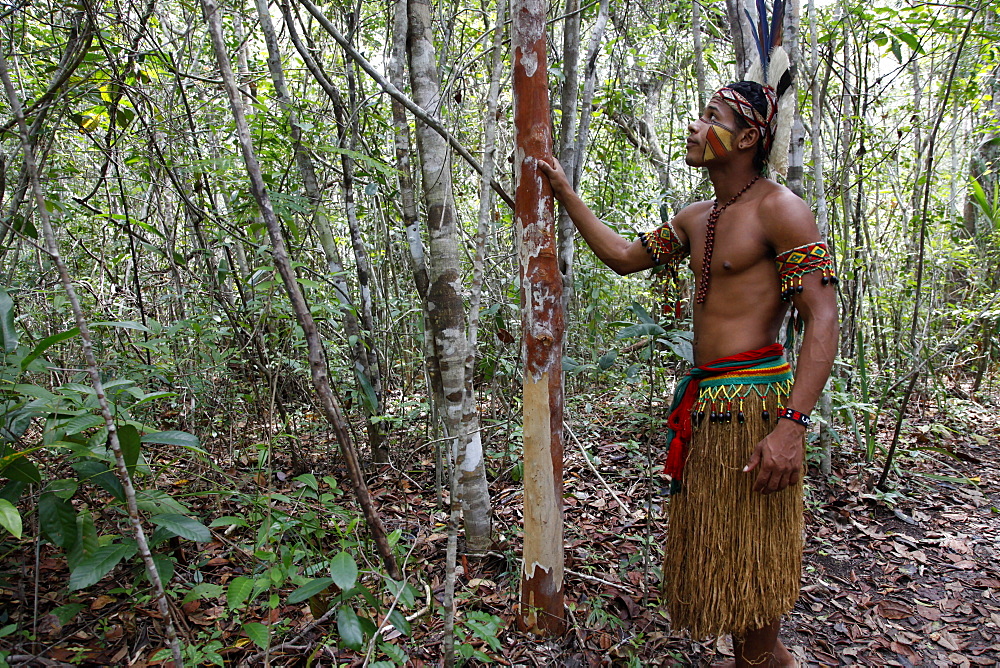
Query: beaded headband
{"x": 742, "y": 108}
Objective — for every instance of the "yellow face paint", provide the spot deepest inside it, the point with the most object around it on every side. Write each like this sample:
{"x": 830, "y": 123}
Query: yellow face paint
{"x": 718, "y": 141}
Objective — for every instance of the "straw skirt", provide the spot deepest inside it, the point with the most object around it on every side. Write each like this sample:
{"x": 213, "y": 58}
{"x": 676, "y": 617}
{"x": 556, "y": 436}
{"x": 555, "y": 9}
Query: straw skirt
{"x": 733, "y": 556}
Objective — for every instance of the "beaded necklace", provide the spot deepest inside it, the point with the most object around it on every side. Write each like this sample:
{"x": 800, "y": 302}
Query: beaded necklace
{"x": 713, "y": 218}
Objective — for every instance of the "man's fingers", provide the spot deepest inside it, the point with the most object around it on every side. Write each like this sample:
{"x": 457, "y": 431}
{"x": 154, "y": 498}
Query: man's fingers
{"x": 754, "y": 460}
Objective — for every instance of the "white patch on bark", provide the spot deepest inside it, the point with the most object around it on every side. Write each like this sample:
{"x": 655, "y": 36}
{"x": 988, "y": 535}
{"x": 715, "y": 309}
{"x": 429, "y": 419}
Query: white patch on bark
{"x": 473, "y": 454}
{"x": 529, "y": 59}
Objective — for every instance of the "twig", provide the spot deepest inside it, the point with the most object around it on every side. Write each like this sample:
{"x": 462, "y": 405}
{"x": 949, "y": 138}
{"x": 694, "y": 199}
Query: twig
{"x": 401, "y": 97}
{"x": 582, "y": 576}
{"x": 586, "y": 458}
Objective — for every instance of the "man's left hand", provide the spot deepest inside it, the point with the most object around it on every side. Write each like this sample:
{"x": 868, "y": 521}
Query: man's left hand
{"x": 779, "y": 458}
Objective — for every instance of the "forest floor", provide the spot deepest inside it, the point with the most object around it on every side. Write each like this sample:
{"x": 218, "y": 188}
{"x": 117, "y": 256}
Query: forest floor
{"x": 909, "y": 577}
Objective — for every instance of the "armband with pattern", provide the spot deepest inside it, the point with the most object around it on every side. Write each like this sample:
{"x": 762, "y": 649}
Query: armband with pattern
{"x": 663, "y": 246}
{"x": 795, "y": 263}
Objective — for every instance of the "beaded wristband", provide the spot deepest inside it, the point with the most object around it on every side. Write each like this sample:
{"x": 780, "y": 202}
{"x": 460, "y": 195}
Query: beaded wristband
{"x": 794, "y": 416}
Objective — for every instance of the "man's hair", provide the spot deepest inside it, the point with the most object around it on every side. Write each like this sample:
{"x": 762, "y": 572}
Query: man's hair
{"x": 754, "y": 94}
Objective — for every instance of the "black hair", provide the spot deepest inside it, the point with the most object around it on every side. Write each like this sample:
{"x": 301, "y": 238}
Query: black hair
{"x": 754, "y": 94}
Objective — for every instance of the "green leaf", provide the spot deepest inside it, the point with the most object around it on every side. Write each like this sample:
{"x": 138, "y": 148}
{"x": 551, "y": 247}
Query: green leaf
{"x": 607, "y": 360}
{"x": 640, "y": 329}
{"x": 64, "y": 488}
{"x": 90, "y": 571}
{"x": 229, "y": 520}
{"x": 57, "y": 520}
{"x": 21, "y": 469}
{"x": 181, "y": 438}
{"x": 309, "y": 589}
{"x": 46, "y": 343}
{"x": 397, "y": 619}
{"x": 164, "y": 568}
{"x": 8, "y": 333}
{"x": 66, "y": 613}
{"x": 91, "y": 470}
{"x": 81, "y": 423}
{"x": 343, "y": 570}
{"x": 10, "y": 519}
{"x": 125, "y": 324}
{"x": 183, "y": 526}
{"x": 203, "y": 590}
{"x": 258, "y": 633}
{"x": 158, "y": 502}
{"x": 238, "y": 592}
{"x": 128, "y": 441}
{"x": 349, "y": 627}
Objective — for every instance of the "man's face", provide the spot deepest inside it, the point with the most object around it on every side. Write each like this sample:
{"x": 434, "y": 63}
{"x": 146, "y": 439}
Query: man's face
{"x": 713, "y": 136}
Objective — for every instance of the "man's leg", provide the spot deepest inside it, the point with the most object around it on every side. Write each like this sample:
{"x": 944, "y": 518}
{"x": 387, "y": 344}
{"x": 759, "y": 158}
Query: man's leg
{"x": 762, "y": 648}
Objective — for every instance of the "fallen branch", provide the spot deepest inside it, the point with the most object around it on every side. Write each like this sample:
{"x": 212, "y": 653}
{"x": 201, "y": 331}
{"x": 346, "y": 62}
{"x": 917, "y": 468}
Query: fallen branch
{"x": 586, "y": 458}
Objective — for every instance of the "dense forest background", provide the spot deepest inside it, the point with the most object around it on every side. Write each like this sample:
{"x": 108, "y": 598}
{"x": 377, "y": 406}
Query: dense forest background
{"x": 352, "y": 292}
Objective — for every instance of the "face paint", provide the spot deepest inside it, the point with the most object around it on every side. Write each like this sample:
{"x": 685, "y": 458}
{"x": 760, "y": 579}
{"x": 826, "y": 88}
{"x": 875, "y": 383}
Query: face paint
{"x": 718, "y": 141}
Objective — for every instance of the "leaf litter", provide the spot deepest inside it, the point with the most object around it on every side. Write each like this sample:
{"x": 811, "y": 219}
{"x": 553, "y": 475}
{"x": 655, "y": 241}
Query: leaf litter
{"x": 907, "y": 577}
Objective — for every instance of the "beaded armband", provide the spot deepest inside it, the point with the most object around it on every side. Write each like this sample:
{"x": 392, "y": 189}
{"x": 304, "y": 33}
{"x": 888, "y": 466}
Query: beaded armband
{"x": 795, "y": 263}
{"x": 663, "y": 246}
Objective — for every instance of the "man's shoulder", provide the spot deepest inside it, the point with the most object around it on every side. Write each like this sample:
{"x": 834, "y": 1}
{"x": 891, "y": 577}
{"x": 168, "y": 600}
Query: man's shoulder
{"x": 693, "y": 211}
{"x": 779, "y": 204}
{"x": 785, "y": 217}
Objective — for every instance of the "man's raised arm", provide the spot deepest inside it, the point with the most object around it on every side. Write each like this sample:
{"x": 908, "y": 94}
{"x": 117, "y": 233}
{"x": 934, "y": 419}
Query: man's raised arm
{"x": 621, "y": 255}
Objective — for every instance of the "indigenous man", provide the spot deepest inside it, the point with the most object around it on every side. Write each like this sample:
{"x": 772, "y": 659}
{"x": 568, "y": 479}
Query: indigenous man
{"x": 733, "y": 555}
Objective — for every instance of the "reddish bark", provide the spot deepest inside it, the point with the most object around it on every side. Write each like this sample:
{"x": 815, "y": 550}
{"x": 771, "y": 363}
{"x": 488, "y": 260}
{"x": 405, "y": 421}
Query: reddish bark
{"x": 543, "y": 324}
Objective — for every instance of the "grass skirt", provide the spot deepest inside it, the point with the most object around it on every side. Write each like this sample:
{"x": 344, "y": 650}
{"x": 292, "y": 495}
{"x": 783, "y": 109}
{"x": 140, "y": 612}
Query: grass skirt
{"x": 733, "y": 555}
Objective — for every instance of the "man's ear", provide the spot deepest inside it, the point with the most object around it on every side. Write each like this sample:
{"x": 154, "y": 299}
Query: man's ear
{"x": 748, "y": 137}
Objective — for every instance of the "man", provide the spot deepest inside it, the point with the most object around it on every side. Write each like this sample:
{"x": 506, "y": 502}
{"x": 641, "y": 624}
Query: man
{"x": 733, "y": 555}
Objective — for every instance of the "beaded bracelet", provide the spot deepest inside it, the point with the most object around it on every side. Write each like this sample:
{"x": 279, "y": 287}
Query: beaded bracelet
{"x": 795, "y": 416}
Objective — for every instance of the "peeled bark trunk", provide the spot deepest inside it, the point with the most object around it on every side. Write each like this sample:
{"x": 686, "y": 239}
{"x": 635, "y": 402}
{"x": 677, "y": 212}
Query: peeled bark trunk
{"x": 542, "y": 329}
{"x": 444, "y": 295}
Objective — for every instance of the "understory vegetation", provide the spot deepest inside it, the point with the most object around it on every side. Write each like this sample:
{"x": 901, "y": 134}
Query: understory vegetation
{"x": 207, "y": 426}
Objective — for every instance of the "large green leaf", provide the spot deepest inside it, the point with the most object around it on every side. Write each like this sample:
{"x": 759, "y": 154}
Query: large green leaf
{"x": 81, "y": 423}
{"x": 258, "y": 633}
{"x": 57, "y": 520}
{"x": 21, "y": 469}
{"x": 128, "y": 441}
{"x": 181, "y": 438}
{"x": 640, "y": 329}
{"x": 309, "y": 589}
{"x": 343, "y": 570}
{"x": 183, "y": 526}
{"x": 90, "y": 571}
{"x": 349, "y": 627}
{"x": 238, "y": 592}
{"x": 46, "y": 343}
{"x": 10, "y": 519}
{"x": 123, "y": 325}
{"x": 8, "y": 333}
{"x": 91, "y": 470}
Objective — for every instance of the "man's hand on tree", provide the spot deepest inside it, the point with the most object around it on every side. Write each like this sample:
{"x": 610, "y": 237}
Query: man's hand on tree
{"x": 557, "y": 178}
{"x": 779, "y": 458}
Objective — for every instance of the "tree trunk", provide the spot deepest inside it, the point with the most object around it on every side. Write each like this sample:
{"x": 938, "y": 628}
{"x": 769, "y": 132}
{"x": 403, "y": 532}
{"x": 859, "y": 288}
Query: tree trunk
{"x": 567, "y": 137}
{"x": 365, "y": 372}
{"x": 317, "y": 356}
{"x": 445, "y": 309}
{"x": 542, "y": 329}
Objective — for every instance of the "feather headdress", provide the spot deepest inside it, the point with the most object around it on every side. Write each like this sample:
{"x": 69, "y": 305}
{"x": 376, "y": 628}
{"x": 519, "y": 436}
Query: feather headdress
{"x": 773, "y": 69}
{"x": 770, "y": 69}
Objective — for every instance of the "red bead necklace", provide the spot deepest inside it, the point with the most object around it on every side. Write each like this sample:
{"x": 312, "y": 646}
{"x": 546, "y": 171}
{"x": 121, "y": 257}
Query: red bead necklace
{"x": 713, "y": 218}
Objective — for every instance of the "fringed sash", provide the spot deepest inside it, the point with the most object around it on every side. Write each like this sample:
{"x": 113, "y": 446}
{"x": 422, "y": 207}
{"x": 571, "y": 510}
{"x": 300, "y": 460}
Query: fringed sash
{"x": 765, "y": 362}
